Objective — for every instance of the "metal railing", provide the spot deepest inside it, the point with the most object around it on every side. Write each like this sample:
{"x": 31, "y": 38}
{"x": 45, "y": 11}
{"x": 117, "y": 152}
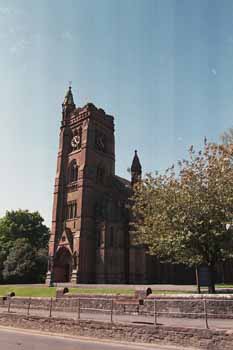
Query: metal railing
{"x": 201, "y": 313}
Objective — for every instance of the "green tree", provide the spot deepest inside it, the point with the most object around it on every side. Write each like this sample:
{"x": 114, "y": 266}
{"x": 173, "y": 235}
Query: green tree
{"x": 20, "y": 264}
{"x": 41, "y": 261}
{"x": 182, "y": 216}
{"x": 3, "y": 256}
{"x": 24, "y": 224}
{"x": 18, "y": 229}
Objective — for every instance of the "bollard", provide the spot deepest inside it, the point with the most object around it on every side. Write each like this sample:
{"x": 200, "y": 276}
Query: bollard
{"x": 111, "y": 313}
{"x": 50, "y": 308}
{"x": 205, "y": 314}
{"x": 155, "y": 313}
{"x": 29, "y": 304}
{"x": 9, "y": 305}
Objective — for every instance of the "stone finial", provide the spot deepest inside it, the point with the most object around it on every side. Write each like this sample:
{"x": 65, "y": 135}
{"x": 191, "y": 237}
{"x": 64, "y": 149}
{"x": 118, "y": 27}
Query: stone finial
{"x": 136, "y": 168}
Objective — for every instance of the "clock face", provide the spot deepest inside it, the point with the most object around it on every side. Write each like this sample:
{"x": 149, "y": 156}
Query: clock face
{"x": 76, "y": 142}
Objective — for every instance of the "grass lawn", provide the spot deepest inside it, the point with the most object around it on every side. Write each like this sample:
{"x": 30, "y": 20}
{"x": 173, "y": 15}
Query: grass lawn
{"x": 27, "y": 291}
{"x": 40, "y": 291}
{"x": 43, "y": 291}
{"x": 31, "y": 291}
{"x": 101, "y": 291}
{"x": 224, "y": 286}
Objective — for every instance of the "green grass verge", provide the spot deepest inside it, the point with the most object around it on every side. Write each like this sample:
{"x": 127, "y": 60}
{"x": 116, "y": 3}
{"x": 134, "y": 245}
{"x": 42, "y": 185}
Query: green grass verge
{"x": 30, "y": 291}
{"x": 101, "y": 291}
{"x": 27, "y": 291}
{"x": 174, "y": 292}
{"x": 224, "y": 286}
{"x": 40, "y": 291}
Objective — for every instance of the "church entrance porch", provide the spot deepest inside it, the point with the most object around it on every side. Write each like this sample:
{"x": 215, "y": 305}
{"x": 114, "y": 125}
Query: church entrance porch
{"x": 62, "y": 265}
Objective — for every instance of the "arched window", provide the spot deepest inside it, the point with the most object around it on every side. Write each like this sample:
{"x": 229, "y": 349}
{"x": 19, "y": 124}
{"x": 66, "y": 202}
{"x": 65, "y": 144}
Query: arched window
{"x": 73, "y": 172}
{"x": 100, "y": 175}
{"x": 99, "y": 237}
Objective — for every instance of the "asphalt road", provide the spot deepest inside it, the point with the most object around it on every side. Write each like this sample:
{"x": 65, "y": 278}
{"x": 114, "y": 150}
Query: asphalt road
{"x": 12, "y": 339}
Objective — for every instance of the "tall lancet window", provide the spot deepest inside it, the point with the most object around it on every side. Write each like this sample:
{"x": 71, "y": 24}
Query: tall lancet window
{"x": 100, "y": 175}
{"x": 73, "y": 172}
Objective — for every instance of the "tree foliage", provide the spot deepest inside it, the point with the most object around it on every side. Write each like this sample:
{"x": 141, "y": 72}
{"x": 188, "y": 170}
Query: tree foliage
{"x": 23, "y": 247}
{"x": 182, "y": 215}
{"x": 227, "y": 137}
{"x": 19, "y": 267}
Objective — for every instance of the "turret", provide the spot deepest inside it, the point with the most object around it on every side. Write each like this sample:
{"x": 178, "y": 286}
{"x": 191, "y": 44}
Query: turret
{"x": 68, "y": 104}
{"x": 136, "y": 169}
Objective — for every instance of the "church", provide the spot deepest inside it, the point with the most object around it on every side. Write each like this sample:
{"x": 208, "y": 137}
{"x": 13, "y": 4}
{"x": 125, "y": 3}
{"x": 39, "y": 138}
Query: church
{"x": 90, "y": 240}
{"x": 90, "y": 237}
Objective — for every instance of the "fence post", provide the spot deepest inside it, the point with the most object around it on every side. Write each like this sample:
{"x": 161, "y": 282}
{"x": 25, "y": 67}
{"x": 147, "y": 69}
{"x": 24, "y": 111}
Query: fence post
{"x": 111, "y": 314}
{"x": 155, "y": 313}
{"x": 50, "y": 308}
{"x": 9, "y": 304}
{"x": 206, "y": 314}
{"x": 29, "y": 304}
{"x": 78, "y": 308}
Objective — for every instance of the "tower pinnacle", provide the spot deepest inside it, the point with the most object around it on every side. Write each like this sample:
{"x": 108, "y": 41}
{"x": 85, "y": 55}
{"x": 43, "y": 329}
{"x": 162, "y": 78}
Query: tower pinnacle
{"x": 136, "y": 169}
{"x": 68, "y": 104}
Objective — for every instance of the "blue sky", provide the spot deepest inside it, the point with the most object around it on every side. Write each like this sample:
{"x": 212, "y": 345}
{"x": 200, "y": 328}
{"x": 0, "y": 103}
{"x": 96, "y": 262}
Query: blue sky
{"x": 163, "y": 68}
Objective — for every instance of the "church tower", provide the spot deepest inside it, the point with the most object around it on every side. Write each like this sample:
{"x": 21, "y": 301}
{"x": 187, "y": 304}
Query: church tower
{"x": 89, "y": 235}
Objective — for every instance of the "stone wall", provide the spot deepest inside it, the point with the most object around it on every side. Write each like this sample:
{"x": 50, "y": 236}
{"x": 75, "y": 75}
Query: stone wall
{"x": 190, "y": 337}
{"x": 191, "y": 306}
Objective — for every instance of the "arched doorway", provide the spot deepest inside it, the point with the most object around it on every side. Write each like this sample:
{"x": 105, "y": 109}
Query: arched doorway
{"x": 62, "y": 265}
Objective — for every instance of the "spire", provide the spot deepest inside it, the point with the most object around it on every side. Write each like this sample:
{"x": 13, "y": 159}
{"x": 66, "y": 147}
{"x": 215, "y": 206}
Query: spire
{"x": 68, "y": 103}
{"x": 69, "y": 100}
{"x": 136, "y": 169}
